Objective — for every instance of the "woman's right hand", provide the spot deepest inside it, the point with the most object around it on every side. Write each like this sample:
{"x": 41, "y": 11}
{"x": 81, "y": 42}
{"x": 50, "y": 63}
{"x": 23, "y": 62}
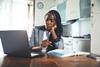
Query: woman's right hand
{"x": 45, "y": 43}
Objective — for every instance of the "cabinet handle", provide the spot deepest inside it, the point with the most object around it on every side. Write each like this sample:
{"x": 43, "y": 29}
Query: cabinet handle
{"x": 92, "y": 5}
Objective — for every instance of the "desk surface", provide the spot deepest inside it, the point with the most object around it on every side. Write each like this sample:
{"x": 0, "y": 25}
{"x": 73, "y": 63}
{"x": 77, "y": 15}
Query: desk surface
{"x": 47, "y": 61}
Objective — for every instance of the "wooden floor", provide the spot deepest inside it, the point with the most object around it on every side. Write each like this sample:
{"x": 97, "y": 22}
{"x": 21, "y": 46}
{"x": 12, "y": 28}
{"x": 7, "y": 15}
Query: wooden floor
{"x": 47, "y": 61}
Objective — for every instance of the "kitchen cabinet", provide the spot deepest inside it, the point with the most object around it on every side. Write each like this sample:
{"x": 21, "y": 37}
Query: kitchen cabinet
{"x": 78, "y": 9}
{"x": 85, "y": 8}
{"x": 81, "y": 44}
{"x": 61, "y": 8}
{"x": 68, "y": 43}
{"x": 72, "y": 9}
{"x": 76, "y": 44}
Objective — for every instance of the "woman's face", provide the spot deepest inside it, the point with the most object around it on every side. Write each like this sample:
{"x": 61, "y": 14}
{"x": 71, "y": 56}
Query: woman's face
{"x": 50, "y": 22}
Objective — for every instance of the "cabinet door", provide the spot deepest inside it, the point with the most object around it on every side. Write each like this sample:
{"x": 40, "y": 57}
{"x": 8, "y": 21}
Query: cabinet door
{"x": 85, "y": 9}
{"x": 84, "y": 45}
{"x": 68, "y": 43}
{"x": 81, "y": 45}
{"x": 72, "y": 9}
{"x": 62, "y": 10}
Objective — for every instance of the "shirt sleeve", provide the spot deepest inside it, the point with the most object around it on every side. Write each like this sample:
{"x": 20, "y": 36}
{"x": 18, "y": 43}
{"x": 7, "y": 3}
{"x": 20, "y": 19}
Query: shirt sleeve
{"x": 59, "y": 44}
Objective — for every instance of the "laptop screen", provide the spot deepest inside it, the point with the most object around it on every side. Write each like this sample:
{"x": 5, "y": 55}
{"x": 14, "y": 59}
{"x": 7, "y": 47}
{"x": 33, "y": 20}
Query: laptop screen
{"x": 15, "y": 42}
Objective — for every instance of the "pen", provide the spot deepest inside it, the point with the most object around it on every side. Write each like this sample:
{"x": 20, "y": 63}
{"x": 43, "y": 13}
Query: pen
{"x": 51, "y": 45}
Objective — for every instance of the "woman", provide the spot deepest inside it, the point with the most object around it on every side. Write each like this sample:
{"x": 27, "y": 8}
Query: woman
{"x": 54, "y": 28}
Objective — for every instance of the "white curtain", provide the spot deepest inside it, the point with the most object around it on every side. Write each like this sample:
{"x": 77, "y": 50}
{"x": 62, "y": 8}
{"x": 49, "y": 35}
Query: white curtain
{"x": 13, "y": 15}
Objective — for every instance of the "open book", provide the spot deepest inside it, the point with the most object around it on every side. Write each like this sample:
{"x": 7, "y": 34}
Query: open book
{"x": 65, "y": 53}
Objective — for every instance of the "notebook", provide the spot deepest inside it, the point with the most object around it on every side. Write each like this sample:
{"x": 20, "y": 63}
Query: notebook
{"x": 66, "y": 53}
{"x": 15, "y": 43}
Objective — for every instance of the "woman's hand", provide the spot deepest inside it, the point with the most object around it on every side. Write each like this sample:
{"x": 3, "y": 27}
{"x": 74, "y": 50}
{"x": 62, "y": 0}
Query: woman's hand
{"x": 53, "y": 28}
{"x": 45, "y": 43}
{"x": 54, "y": 36}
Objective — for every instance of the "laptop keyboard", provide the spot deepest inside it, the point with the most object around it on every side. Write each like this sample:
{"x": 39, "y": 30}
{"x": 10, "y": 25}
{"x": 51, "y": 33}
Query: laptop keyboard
{"x": 34, "y": 54}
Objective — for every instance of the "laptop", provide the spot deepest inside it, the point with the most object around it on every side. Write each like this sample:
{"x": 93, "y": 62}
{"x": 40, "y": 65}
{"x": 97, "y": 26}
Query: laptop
{"x": 15, "y": 43}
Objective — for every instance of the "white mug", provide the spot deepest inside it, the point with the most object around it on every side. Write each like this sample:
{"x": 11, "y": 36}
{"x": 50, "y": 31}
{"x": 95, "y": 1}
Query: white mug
{"x": 44, "y": 49}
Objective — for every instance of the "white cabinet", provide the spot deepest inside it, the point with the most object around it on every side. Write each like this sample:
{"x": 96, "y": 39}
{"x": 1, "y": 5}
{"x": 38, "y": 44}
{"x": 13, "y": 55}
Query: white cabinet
{"x": 76, "y": 44}
{"x": 61, "y": 9}
{"x": 77, "y": 9}
{"x": 81, "y": 44}
{"x": 68, "y": 43}
{"x": 85, "y": 9}
{"x": 72, "y": 9}
{"x": 95, "y": 32}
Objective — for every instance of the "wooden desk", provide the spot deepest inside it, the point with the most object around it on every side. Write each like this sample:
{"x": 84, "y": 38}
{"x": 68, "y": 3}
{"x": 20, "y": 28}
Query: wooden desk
{"x": 76, "y": 61}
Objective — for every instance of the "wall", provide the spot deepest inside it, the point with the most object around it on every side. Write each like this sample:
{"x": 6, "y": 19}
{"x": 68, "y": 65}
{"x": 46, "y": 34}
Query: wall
{"x": 85, "y": 25}
{"x": 81, "y": 27}
{"x": 95, "y": 35}
{"x": 95, "y": 38}
{"x": 39, "y": 13}
{"x": 75, "y": 29}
